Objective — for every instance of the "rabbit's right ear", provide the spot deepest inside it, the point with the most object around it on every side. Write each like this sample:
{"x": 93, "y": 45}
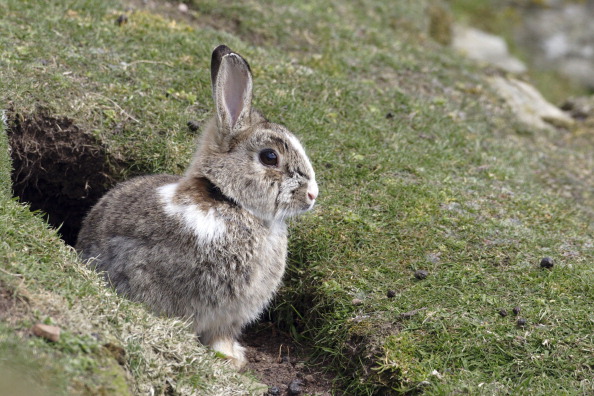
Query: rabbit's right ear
{"x": 231, "y": 89}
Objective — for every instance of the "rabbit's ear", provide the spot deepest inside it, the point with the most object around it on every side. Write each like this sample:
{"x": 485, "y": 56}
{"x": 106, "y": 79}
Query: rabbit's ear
{"x": 231, "y": 89}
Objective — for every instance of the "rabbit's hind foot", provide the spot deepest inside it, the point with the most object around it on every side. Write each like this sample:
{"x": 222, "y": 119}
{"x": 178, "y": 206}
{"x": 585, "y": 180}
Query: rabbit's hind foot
{"x": 232, "y": 350}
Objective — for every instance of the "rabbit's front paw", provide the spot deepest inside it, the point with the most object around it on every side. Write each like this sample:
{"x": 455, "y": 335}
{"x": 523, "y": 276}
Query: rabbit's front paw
{"x": 232, "y": 350}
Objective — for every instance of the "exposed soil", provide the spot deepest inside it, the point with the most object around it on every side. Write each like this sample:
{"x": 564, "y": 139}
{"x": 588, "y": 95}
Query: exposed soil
{"x": 58, "y": 168}
{"x": 276, "y": 360}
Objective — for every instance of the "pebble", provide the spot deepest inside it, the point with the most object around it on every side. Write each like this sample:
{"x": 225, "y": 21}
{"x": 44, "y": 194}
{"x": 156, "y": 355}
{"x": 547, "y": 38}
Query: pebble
{"x": 51, "y": 333}
{"x": 274, "y": 391}
{"x": 546, "y": 262}
{"x": 295, "y": 387}
{"x": 391, "y": 294}
{"x": 309, "y": 379}
{"x": 357, "y": 301}
{"x": 421, "y": 274}
{"x": 182, "y": 7}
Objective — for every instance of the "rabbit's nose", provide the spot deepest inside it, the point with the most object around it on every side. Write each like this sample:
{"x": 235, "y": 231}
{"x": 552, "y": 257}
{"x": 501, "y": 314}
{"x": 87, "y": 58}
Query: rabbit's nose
{"x": 312, "y": 191}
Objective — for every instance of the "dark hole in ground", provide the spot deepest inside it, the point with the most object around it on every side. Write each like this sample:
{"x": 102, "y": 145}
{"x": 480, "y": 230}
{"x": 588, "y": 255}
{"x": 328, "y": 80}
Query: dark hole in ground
{"x": 62, "y": 170}
{"x": 58, "y": 168}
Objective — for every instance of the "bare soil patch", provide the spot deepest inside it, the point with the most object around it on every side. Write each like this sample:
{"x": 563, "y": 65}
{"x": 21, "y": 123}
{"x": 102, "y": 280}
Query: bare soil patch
{"x": 277, "y": 361}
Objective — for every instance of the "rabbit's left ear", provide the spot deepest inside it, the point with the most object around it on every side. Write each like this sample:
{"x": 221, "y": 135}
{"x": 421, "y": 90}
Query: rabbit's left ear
{"x": 231, "y": 90}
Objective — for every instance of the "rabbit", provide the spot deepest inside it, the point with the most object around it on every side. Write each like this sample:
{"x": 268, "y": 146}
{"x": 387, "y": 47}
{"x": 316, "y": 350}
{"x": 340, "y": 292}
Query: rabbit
{"x": 211, "y": 244}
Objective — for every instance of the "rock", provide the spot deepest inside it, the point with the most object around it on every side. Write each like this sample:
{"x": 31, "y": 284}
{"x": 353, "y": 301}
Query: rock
{"x": 528, "y": 104}
{"x": 51, "y": 333}
{"x": 486, "y": 48}
{"x": 421, "y": 274}
{"x": 357, "y": 301}
{"x": 580, "y": 108}
{"x": 295, "y": 387}
{"x": 182, "y": 7}
{"x": 546, "y": 262}
{"x": 274, "y": 391}
{"x": 309, "y": 379}
{"x": 558, "y": 35}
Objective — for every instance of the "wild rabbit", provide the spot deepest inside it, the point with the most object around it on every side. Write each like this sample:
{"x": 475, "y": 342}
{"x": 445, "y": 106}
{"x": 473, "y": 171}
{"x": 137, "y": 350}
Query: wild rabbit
{"x": 210, "y": 245}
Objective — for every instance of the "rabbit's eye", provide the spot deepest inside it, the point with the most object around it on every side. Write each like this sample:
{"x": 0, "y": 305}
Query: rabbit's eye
{"x": 269, "y": 157}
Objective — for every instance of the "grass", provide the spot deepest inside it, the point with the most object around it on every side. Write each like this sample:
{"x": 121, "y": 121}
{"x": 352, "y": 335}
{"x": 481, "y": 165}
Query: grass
{"x": 420, "y": 167}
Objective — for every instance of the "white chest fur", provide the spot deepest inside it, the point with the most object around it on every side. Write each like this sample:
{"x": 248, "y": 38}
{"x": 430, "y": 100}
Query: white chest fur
{"x": 205, "y": 225}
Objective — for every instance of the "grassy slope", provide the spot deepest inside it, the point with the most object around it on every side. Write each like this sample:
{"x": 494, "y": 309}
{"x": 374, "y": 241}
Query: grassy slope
{"x": 420, "y": 168}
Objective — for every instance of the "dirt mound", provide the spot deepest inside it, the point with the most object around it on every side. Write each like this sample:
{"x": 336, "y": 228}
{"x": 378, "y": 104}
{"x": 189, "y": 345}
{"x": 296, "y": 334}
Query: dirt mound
{"x": 58, "y": 168}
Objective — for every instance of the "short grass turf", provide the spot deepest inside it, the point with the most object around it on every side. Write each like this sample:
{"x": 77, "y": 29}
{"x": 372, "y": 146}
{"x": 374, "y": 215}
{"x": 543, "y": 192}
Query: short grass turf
{"x": 420, "y": 165}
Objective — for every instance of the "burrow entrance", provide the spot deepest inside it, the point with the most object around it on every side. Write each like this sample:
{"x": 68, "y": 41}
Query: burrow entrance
{"x": 58, "y": 168}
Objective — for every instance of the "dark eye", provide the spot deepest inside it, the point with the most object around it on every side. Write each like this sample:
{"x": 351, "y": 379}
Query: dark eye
{"x": 269, "y": 157}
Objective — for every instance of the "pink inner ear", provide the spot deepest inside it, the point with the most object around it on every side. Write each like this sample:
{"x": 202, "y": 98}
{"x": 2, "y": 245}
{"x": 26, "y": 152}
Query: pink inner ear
{"x": 234, "y": 92}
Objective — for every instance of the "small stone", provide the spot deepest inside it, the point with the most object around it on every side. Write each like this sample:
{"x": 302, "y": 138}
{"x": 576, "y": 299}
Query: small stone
{"x": 122, "y": 19}
{"x": 51, "y": 333}
{"x": 503, "y": 313}
{"x": 309, "y": 379}
{"x": 357, "y": 301}
{"x": 517, "y": 310}
{"x": 274, "y": 391}
{"x": 546, "y": 262}
{"x": 521, "y": 322}
{"x": 182, "y": 7}
{"x": 391, "y": 294}
{"x": 295, "y": 387}
{"x": 193, "y": 125}
{"x": 421, "y": 274}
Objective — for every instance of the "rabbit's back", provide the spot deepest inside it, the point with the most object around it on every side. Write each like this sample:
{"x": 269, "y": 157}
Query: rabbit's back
{"x": 185, "y": 251}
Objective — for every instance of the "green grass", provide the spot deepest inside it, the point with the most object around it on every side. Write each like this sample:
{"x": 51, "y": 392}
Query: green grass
{"x": 420, "y": 167}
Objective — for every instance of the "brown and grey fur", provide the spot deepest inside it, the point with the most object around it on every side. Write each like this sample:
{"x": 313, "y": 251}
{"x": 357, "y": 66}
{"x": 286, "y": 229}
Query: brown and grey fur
{"x": 210, "y": 245}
